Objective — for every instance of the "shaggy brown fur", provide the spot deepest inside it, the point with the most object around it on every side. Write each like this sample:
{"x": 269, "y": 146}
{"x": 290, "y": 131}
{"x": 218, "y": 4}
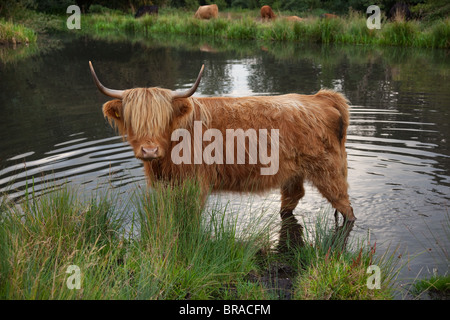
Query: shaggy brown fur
{"x": 267, "y": 13}
{"x": 207, "y": 12}
{"x": 312, "y": 134}
{"x": 294, "y": 19}
{"x": 329, "y": 16}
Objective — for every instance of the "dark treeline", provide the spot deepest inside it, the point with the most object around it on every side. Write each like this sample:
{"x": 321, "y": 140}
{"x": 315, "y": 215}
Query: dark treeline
{"x": 429, "y": 9}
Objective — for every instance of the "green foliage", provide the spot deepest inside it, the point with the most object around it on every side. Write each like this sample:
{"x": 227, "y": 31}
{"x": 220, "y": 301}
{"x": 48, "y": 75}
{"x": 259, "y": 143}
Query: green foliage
{"x": 440, "y": 34}
{"x": 239, "y": 4}
{"x": 190, "y": 257}
{"x": 245, "y": 29}
{"x": 191, "y": 4}
{"x": 221, "y": 4}
{"x": 13, "y": 8}
{"x": 400, "y": 33}
{"x": 428, "y": 10}
{"x": 99, "y": 9}
{"x": 15, "y": 33}
{"x": 329, "y": 30}
{"x": 431, "y": 10}
{"x": 53, "y": 6}
{"x": 438, "y": 287}
{"x": 158, "y": 244}
{"x": 168, "y": 251}
{"x": 243, "y": 25}
{"x": 336, "y": 268}
{"x": 43, "y": 236}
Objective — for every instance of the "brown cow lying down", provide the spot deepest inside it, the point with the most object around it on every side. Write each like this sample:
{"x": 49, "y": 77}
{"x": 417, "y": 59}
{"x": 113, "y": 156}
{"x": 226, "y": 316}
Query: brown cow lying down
{"x": 294, "y": 19}
{"x": 329, "y": 16}
{"x": 281, "y": 140}
{"x": 207, "y": 12}
{"x": 267, "y": 13}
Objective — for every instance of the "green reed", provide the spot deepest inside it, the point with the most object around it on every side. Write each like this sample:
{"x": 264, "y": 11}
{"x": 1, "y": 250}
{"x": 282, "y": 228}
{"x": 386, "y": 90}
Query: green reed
{"x": 154, "y": 245}
{"x": 15, "y": 33}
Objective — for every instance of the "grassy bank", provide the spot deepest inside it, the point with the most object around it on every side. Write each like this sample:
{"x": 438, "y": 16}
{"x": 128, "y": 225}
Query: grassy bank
{"x": 159, "y": 245}
{"x": 15, "y": 33}
{"x": 243, "y": 24}
{"x": 351, "y": 29}
{"x": 437, "y": 287}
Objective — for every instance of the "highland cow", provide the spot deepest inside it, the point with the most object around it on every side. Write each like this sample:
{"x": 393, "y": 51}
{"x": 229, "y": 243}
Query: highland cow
{"x": 146, "y": 10}
{"x": 310, "y": 143}
{"x": 207, "y": 12}
{"x": 267, "y": 13}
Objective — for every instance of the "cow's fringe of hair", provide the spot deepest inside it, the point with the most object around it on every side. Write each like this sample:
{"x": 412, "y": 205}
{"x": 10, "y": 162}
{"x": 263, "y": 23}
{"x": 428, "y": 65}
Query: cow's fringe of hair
{"x": 147, "y": 110}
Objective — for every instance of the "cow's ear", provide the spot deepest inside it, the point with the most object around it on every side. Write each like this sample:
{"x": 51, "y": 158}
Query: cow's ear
{"x": 113, "y": 110}
{"x": 182, "y": 108}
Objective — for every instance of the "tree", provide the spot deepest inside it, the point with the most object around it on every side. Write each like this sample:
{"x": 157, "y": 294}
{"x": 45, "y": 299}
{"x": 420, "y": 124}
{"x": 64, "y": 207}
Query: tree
{"x": 11, "y": 8}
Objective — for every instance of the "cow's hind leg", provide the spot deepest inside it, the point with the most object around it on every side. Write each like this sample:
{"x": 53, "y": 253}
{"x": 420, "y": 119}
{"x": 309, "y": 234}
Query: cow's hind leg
{"x": 291, "y": 231}
{"x": 333, "y": 186}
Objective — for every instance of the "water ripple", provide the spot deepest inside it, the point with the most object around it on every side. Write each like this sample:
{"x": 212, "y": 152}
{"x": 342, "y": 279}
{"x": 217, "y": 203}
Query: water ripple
{"x": 92, "y": 163}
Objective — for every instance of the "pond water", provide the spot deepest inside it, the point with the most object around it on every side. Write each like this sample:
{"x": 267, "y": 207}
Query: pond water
{"x": 398, "y": 146}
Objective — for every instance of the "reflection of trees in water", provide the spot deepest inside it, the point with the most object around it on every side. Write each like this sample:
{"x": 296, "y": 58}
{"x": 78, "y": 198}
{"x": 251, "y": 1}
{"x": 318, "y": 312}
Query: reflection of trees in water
{"x": 217, "y": 78}
{"x": 269, "y": 76}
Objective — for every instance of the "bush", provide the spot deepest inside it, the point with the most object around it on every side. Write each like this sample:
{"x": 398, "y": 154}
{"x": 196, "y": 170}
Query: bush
{"x": 336, "y": 268}
{"x": 431, "y": 10}
{"x": 96, "y": 8}
{"x": 53, "y": 6}
{"x": 400, "y": 33}
{"x": 330, "y": 29}
{"x": 15, "y": 33}
{"x": 14, "y": 8}
{"x": 440, "y": 34}
{"x": 245, "y": 28}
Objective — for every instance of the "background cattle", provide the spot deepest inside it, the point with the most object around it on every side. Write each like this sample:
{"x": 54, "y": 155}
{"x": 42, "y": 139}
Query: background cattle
{"x": 146, "y": 10}
{"x": 267, "y": 13}
{"x": 294, "y": 18}
{"x": 399, "y": 11}
{"x": 207, "y": 12}
{"x": 328, "y": 16}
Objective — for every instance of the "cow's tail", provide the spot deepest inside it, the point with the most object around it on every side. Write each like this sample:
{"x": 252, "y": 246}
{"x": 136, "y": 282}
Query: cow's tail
{"x": 340, "y": 102}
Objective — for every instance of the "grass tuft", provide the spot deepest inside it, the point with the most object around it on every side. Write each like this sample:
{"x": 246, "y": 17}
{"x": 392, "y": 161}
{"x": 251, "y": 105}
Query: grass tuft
{"x": 336, "y": 268}
{"x": 438, "y": 287}
{"x": 15, "y": 33}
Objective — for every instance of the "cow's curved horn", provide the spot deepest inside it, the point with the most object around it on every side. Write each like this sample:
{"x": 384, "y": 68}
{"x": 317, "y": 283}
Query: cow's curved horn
{"x": 109, "y": 92}
{"x": 191, "y": 91}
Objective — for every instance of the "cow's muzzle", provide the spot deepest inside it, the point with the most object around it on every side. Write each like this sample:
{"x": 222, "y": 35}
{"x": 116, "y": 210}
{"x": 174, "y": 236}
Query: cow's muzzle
{"x": 149, "y": 153}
